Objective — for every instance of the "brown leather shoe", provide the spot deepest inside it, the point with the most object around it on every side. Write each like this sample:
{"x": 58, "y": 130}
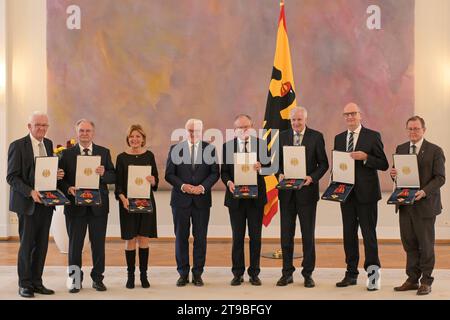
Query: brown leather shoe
{"x": 424, "y": 290}
{"x": 407, "y": 286}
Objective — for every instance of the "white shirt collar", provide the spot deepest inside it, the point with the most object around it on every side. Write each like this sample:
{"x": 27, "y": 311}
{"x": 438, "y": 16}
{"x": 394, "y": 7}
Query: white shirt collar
{"x": 35, "y": 141}
{"x": 418, "y": 145}
{"x": 190, "y": 143}
{"x": 356, "y": 131}
{"x": 82, "y": 148}
{"x": 301, "y": 132}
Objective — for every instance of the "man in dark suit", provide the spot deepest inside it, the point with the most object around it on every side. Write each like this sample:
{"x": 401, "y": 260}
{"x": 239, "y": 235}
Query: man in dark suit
{"x": 417, "y": 220}
{"x": 361, "y": 208}
{"x": 79, "y": 218}
{"x": 34, "y": 218}
{"x": 301, "y": 203}
{"x": 244, "y": 211}
{"x": 192, "y": 169}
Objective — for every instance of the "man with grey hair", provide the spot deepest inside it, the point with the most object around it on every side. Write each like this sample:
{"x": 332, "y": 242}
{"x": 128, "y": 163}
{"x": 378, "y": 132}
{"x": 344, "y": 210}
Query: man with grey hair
{"x": 192, "y": 174}
{"x": 244, "y": 212}
{"x": 301, "y": 203}
{"x": 34, "y": 218}
{"x": 80, "y": 218}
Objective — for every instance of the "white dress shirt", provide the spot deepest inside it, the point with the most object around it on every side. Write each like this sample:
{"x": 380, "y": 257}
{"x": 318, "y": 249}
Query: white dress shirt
{"x": 82, "y": 149}
{"x": 418, "y": 146}
{"x": 35, "y": 143}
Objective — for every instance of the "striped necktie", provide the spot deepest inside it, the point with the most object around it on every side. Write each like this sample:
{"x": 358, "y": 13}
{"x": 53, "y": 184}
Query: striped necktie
{"x": 350, "y": 142}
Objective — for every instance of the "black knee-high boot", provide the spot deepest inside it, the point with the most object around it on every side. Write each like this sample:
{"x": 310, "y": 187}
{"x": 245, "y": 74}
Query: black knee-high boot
{"x": 131, "y": 267}
{"x": 143, "y": 263}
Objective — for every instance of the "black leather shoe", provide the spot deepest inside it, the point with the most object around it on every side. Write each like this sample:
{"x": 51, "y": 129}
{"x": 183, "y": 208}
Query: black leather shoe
{"x": 347, "y": 281}
{"x": 197, "y": 281}
{"x": 182, "y": 281}
{"x": 76, "y": 290}
{"x": 26, "y": 292}
{"x": 309, "y": 282}
{"x": 99, "y": 285}
{"x": 42, "y": 290}
{"x": 237, "y": 280}
{"x": 284, "y": 281}
{"x": 255, "y": 281}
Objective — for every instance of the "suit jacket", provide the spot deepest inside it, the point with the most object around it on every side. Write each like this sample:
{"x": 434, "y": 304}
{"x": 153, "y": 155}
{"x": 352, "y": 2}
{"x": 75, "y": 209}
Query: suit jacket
{"x": 316, "y": 165}
{"x": 68, "y": 163}
{"x": 227, "y": 173}
{"x": 431, "y": 161}
{"x": 205, "y": 174}
{"x": 20, "y": 175}
{"x": 367, "y": 186}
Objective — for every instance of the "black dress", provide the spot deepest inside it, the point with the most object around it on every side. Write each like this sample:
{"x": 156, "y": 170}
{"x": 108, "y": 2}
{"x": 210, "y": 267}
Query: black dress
{"x": 135, "y": 224}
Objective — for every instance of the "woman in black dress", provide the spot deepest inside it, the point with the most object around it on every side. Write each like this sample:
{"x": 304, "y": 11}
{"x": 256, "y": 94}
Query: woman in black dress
{"x": 136, "y": 227}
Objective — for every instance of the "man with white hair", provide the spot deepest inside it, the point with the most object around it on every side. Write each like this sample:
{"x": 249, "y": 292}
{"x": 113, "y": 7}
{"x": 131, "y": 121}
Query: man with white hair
{"x": 192, "y": 169}
{"x": 34, "y": 218}
{"x": 303, "y": 202}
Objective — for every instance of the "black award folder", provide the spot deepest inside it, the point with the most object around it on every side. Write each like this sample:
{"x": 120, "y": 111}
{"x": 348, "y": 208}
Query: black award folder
{"x": 140, "y": 205}
{"x": 245, "y": 192}
{"x": 88, "y": 197}
{"x": 337, "y": 191}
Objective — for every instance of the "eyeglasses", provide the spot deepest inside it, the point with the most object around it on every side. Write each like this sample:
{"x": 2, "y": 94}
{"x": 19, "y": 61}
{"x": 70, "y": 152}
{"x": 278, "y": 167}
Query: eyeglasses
{"x": 39, "y": 125}
{"x": 414, "y": 129}
{"x": 350, "y": 114}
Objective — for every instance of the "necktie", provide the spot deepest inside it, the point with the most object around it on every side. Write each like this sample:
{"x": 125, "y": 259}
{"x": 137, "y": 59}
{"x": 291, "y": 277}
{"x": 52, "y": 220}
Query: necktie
{"x": 297, "y": 139}
{"x": 245, "y": 146}
{"x": 193, "y": 156}
{"x": 413, "y": 149}
{"x": 86, "y": 151}
{"x": 42, "y": 152}
{"x": 350, "y": 142}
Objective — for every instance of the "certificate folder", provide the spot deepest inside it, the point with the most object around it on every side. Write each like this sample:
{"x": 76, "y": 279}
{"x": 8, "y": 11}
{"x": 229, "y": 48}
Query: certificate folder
{"x": 294, "y": 164}
{"x": 88, "y": 197}
{"x": 407, "y": 181}
{"x": 45, "y": 177}
{"x": 343, "y": 178}
{"x": 139, "y": 189}
{"x": 245, "y": 177}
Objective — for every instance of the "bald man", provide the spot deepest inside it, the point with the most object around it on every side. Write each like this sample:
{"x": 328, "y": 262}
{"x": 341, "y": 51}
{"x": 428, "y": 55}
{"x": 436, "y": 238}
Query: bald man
{"x": 34, "y": 218}
{"x": 361, "y": 208}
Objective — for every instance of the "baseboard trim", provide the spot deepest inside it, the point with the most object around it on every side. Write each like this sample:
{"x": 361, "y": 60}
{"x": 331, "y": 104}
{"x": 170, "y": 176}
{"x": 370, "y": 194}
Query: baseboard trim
{"x": 264, "y": 240}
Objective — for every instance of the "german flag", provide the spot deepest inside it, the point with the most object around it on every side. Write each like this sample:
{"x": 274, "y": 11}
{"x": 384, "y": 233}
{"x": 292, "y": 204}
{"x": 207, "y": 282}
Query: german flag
{"x": 280, "y": 101}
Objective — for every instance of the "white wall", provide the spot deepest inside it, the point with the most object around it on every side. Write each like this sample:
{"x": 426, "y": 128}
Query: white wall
{"x": 27, "y": 50}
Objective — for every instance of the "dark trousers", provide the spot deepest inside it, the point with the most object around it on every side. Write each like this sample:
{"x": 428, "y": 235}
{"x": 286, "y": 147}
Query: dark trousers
{"x": 182, "y": 218}
{"x": 33, "y": 234}
{"x": 307, "y": 218}
{"x": 76, "y": 228}
{"x": 365, "y": 215}
{"x": 418, "y": 237}
{"x": 252, "y": 216}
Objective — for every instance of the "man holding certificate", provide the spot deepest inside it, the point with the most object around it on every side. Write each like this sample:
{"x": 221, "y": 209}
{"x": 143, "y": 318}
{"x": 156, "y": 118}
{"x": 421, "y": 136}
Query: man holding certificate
{"x": 303, "y": 202}
{"x": 417, "y": 220}
{"x": 192, "y": 169}
{"x": 243, "y": 210}
{"x": 89, "y": 167}
{"x": 361, "y": 207}
{"x": 34, "y": 218}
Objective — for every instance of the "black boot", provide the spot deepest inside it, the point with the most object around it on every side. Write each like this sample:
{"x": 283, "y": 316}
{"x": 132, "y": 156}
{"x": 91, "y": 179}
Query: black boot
{"x": 143, "y": 263}
{"x": 131, "y": 266}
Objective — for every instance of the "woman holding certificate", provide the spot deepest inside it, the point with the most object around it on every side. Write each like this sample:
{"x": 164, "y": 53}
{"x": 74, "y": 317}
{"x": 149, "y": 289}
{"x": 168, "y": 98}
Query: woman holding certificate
{"x": 137, "y": 178}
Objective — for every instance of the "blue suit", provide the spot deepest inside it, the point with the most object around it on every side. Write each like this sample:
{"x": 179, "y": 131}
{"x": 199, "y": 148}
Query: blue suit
{"x": 188, "y": 207}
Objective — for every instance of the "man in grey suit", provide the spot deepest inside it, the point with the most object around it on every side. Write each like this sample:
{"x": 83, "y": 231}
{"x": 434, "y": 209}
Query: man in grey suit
{"x": 417, "y": 220}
